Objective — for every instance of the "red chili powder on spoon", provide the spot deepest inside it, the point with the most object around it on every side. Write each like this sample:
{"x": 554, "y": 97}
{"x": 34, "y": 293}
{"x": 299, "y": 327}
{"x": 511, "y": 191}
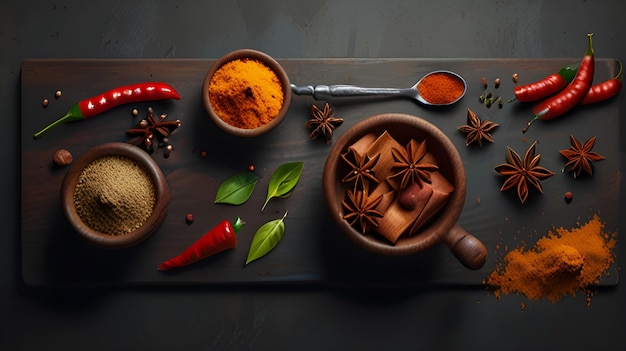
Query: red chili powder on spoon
{"x": 440, "y": 88}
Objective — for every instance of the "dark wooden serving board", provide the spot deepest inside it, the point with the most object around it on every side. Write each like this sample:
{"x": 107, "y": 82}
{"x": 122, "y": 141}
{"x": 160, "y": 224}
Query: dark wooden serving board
{"x": 312, "y": 250}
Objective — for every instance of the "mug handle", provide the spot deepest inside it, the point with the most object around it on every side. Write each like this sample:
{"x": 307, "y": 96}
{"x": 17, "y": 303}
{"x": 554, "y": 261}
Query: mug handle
{"x": 470, "y": 251}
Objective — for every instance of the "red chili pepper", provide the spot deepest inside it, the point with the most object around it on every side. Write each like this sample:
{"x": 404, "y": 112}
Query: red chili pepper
{"x": 148, "y": 91}
{"x": 222, "y": 237}
{"x": 550, "y": 85}
{"x": 605, "y": 90}
{"x": 570, "y": 96}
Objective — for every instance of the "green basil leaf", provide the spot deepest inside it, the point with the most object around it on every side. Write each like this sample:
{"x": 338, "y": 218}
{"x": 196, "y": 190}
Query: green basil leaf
{"x": 283, "y": 180}
{"x": 237, "y": 189}
{"x": 266, "y": 238}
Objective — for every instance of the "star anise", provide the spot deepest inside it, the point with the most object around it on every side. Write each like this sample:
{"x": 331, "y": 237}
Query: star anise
{"x": 361, "y": 209}
{"x": 323, "y": 122}
{"x": 579, "y": 157}
{"x": 411, "y": 167}
{"x": 147, "y": 129}
{"x": 477, "y": 130}
{"x": 361, "y": 172}
{"x": 520, "y": 172}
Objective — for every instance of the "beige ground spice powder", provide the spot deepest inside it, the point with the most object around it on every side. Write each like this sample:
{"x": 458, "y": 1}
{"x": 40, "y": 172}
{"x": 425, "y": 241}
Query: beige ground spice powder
{"x": 114, "y": 195}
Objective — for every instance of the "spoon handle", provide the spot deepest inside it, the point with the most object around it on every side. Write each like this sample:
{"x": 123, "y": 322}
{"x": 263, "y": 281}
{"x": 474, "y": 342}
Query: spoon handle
{"x": 321, "y": 92}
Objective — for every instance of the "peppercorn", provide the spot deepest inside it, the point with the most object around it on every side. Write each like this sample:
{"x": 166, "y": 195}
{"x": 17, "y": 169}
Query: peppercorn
{"x": 168, "y": 150}
{"x": 515, "y": 77}
{"x": 45, "y": 102}
{"x": 251, "y": 168}
{"x": 203, "y": 154}
{"x": 135, "y": 112}
{"x": 57, "y": 94}
{"x": 62, "y": 157}
{"x": 497, "y": 83}
{"x": 568, "y": 196}
{"x": 189, "y": 218}
{"x": 483, "y": 81}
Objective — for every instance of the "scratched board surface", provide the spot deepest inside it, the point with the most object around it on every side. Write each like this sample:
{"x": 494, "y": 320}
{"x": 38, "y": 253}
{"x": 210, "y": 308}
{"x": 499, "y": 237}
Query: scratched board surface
{"x": 312, "y": 250}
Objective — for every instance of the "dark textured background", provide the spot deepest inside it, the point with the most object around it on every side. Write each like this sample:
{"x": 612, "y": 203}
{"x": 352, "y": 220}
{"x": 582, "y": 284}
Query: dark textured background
{"x": 282, "y": 318}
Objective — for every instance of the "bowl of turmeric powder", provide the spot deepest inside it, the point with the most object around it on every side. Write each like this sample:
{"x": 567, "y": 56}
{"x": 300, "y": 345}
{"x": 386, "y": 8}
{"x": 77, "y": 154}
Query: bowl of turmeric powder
{"x": 395, "y": 185}
{"x": 246, "y": 93}
{"x": 115, "y": 195}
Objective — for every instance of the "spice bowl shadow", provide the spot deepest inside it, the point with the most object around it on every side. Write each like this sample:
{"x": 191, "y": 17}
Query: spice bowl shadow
{"x": 115, "y": 192}
{"x": 442, "y": 227}
{"x": 252, "y": 93}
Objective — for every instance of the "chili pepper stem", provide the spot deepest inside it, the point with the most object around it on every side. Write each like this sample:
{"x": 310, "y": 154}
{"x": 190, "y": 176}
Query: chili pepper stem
{"x": 590, "y": 51}
{"x": 73, "y": 114}
{"x": 50, "y": 126}
{"x": 238, "y": 224}
{"x": 529, "y": 123}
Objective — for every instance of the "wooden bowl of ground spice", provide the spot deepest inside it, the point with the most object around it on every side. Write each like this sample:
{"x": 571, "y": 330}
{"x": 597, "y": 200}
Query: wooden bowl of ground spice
{"x": 246, "y": 93}
{"x": 115, "y": 195}
{"x": 395, "y": 185}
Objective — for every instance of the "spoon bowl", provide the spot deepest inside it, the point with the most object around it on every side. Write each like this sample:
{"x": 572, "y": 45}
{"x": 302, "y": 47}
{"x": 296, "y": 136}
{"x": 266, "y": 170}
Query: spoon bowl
{"x": 326, "y": 92}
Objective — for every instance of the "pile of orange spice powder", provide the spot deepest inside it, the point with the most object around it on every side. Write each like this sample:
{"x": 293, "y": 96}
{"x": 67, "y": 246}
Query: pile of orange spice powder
{"x": 564, "y": 262}
{"x": 245, "y": 93}
{"x": 441, "y": 88}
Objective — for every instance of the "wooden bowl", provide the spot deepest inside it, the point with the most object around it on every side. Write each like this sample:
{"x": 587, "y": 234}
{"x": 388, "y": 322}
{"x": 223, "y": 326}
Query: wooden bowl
{"x": 443, "y": 227}
{"x": 156, "y": 217}
{"x": 272, "y": 65}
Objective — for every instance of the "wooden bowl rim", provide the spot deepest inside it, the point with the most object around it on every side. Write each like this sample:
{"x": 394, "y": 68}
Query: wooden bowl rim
{"x": 158, "y": 179}
{"x": 434, "y": 232}
{"x": 269, "y": 62}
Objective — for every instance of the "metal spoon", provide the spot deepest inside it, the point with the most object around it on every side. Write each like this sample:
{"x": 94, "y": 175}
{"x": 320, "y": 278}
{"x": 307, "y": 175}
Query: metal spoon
{"x": 324, "y": 92}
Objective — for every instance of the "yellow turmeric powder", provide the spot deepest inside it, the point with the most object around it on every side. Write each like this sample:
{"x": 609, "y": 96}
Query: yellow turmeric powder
{"x": 245, "y": 93}
{"x": 561, "y": 263}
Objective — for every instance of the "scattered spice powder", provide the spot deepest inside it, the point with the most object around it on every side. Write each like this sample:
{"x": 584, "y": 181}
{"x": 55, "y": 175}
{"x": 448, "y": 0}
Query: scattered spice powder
{"x": 441, "y": 88}
{"x": 114, "y": 195}
{"x": 245, "y": 93}
{"x": 561, "y": 263}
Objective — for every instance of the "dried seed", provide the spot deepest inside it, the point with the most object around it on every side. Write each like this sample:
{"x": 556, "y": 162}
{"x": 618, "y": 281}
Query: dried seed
{"x": 57, "y": 94}
{"x": 497, "y": 83}
{"x": 515, "y": 77}
{"x": 488, "y": 102}
{"x": 483, "y": 81}
{"x": 62, "y": 157}
{"x": 568, "y": 196}
{"x": 189, "y": 218}
{"x": 135, "y": 112}
{"x": 45, "y": 102}
{"x": 251, "y": 168}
